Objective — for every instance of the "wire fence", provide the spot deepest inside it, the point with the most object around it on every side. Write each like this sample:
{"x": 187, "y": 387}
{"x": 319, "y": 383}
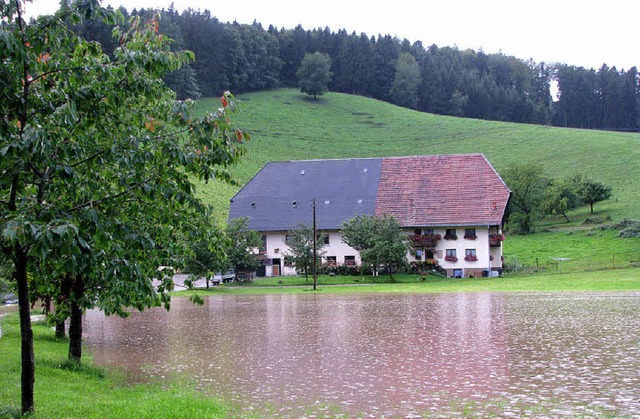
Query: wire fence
{"x": 567, "y": 264}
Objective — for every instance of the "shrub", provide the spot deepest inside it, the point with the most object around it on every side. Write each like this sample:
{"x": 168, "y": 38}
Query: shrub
{"x": 629, "y": 229}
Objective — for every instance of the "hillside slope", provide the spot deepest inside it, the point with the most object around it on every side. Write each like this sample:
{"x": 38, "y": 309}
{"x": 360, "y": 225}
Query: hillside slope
{"x": 286, "y": 125}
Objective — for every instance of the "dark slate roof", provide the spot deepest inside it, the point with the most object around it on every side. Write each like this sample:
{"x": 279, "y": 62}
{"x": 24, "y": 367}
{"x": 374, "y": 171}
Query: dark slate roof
{"x": 450, "y": 190}
{"x": 342, "y": 188}
{"x": 419, "y": 191}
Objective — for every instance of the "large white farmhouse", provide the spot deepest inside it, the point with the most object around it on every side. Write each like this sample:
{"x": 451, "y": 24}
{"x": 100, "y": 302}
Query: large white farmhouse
{"x": 451, "y": 206}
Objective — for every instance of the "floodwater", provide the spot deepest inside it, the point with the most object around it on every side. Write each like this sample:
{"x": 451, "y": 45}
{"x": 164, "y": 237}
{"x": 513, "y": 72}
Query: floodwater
{"x": 391, "y": 355}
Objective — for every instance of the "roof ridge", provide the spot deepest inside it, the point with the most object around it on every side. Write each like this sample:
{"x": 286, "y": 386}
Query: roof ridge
{"x": 377, "y": 158}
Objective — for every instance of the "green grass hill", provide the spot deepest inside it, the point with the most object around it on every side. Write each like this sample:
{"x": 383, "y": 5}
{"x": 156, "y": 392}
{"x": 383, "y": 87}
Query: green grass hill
{"x": 287, "y": 125}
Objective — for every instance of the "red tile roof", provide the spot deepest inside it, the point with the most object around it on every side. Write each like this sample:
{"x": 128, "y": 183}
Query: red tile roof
{"x": 448, "y": 190}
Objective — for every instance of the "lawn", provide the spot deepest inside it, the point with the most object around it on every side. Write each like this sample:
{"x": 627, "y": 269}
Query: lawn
{"x": 618, "y": 280}
{"x": 581, "y": 248}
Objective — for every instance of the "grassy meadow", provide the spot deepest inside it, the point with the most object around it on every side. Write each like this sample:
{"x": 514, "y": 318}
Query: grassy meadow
{"x": 287, "y": 125}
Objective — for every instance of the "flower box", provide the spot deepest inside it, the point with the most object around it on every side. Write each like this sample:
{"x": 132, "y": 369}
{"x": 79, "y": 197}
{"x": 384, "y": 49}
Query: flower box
{"x": 471, "y": 258}
{"x": 424, "y": 240}
{"x": 470, "y": 237}
{"x": 495, "y": 240}
{"x": 451, "y": 258}
{"x": 450, "y": 237}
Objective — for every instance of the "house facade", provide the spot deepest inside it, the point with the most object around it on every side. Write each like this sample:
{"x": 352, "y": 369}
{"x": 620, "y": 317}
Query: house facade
{"x": 452, "y": 208}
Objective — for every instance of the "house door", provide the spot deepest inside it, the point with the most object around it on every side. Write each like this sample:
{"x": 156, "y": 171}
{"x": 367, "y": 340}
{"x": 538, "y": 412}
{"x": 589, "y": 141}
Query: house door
{"x": 275, "y": 269}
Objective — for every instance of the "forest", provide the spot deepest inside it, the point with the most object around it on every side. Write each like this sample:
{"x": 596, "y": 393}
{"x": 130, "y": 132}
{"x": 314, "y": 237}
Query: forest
{"x": 441, "y": 80}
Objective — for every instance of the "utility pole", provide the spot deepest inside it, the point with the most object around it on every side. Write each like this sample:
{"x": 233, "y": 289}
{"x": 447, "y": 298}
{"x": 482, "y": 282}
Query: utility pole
{"x": 315, "y": 238}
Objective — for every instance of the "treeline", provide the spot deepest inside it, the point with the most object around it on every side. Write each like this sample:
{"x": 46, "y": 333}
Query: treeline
{"x": 441, "y": 80}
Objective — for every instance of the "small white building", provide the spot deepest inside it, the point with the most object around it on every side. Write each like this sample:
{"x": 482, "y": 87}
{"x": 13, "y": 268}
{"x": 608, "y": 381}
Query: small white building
{"x": 451, "y": 206}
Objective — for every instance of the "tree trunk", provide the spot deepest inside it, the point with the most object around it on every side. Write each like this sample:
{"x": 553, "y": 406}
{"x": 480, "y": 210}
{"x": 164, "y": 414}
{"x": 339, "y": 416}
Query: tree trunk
{"x": 61, "y": 299}
{"x": 591, "y": 204}
{"x": 75, "y": 333}
{"x": 26, "y": 333}
{"x": 75, "y": 321}
{"x": 60, "y": 330}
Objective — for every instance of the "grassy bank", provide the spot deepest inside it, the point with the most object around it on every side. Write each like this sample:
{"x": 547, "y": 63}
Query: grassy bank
{"x": 64, "y": 390}
{"x": 595, "y": 281}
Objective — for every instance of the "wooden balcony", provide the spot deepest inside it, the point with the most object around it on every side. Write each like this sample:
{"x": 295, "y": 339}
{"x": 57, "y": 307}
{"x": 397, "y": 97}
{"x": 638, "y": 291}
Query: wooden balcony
{"x": 424, "y": 240}
{"x": 495, "y": 240}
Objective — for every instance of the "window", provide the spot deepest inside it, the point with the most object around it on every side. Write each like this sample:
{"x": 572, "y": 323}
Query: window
{"x": 470, "y": 233}
{"x": 350, "y": 260}
{"x": 263, "y": 246}
{"x": 451, "y": 234}
{"x": 428, "y": 231}
{"x": 294, "y": 204}
{"x": 451, "y": 255}
{"x": 288, "y": 262}
{"x": 417, "y": 231}
{"x": 470, "y": 255}
{"x": 325, "y": 239}
{"x": 287, "y": 237}
{"x": 331, "y": 260}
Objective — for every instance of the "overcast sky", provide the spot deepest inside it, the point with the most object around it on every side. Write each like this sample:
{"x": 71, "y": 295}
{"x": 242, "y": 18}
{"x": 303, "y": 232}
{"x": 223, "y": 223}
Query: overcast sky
{"x": 584, "y": 33}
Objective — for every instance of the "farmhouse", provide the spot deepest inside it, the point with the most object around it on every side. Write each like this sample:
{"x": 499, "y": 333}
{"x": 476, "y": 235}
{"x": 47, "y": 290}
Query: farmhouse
{"x": 451, "y": 206}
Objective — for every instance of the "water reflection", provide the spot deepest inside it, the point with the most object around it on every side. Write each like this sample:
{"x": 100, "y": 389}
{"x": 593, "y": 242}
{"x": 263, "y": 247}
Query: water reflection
{"x": 374, "y": 355}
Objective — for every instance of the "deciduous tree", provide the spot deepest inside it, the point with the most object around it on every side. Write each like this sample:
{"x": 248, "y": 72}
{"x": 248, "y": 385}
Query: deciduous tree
{"x": 241, "y": 253}
{"x": 561, "y": 197}
{"x": 528, "y": 186}
{"x": 300, "y": 244}
{"x": 379, "y": 240}
{"x": 314, "y": 74}
{"x": 98, "y": 160}
{"x": 208, "y": 255}
{"x": 404, "y": 91}
{"x": 591, "y": 191}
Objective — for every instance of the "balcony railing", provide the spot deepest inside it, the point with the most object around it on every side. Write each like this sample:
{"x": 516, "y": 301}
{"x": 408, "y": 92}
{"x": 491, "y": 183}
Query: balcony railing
{"x": 495, "y": 240}
{"x": 424, "y": 240}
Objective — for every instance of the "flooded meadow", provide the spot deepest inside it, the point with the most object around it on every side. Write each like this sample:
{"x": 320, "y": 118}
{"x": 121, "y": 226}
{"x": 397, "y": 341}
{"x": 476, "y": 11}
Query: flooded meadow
{"x": 392, "y": 355}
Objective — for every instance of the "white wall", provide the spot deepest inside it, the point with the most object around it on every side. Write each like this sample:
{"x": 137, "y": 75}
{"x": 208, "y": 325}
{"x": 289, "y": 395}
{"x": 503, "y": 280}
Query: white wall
{"x": 277, "y": 248}
{"x": 480, "y": 244}
{"x": 339, "y": 249}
